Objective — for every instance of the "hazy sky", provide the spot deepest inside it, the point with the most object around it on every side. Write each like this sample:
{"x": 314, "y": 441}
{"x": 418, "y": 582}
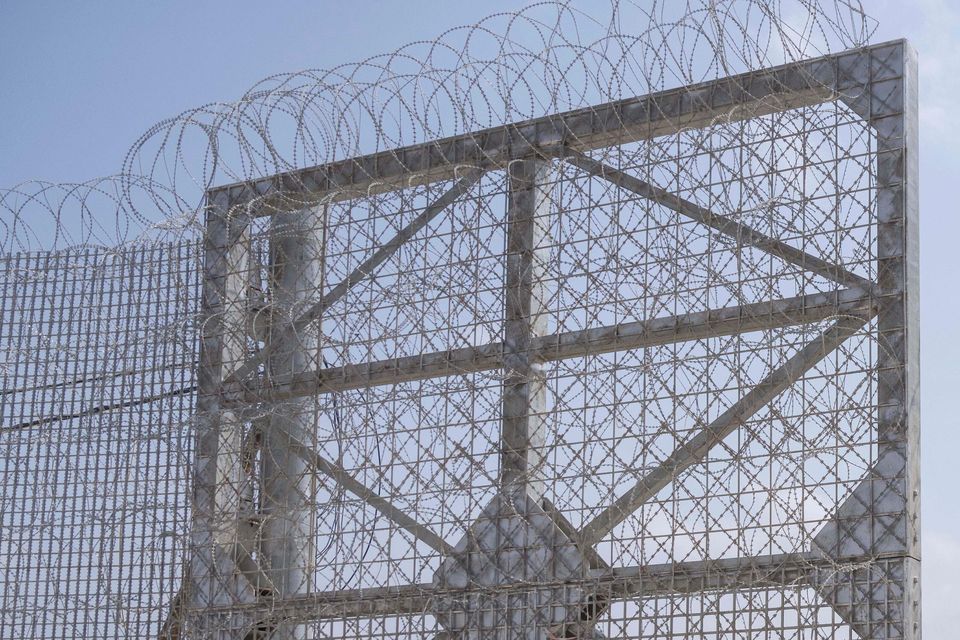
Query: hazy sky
{"x": 82, "y": 80}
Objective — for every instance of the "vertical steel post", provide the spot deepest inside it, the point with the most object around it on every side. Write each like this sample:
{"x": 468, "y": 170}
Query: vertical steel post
{"x": 213, "y": 578}
{"x": 525, "y": 318}
{"x": 288, "y": 482}
{"x": 881, "y": 518}
{"x": 894, "y": 115}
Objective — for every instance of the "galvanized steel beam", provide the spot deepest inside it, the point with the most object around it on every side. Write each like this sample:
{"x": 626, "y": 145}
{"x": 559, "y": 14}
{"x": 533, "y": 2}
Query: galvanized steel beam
{"x": 522, "y": 432}
{"x": 760, "y": 316}
{"x": 775, "y": 571}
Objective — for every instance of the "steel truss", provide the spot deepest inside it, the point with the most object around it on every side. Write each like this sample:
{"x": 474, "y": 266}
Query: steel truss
{"x": 865, "y": 564}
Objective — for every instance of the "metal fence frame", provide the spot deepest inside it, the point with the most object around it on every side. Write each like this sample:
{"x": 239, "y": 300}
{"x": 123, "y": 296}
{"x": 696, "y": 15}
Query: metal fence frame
{"x": 866, "y": 564}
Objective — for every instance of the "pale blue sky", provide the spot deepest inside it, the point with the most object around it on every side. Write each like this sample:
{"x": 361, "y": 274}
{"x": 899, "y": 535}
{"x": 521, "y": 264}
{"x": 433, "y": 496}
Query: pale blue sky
{"x": 82, "y": 80}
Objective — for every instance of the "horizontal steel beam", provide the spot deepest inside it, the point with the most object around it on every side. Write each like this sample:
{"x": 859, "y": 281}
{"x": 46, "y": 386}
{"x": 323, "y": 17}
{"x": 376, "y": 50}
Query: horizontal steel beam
{"x": 619, "y": 583}
{"x": 726, "y": 321}
{"x": 730, "y": 99}
{"x": 408, "y": 599}
{"x": 381, "y": 372}
{"x": 671, "y": 579}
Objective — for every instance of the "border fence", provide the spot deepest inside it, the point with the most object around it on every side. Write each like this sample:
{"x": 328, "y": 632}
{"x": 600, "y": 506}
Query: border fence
{"x": 638, "y": 360}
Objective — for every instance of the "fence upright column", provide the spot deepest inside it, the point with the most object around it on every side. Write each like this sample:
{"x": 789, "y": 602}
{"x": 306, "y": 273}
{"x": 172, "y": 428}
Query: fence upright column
{"x": 288, "y": 482}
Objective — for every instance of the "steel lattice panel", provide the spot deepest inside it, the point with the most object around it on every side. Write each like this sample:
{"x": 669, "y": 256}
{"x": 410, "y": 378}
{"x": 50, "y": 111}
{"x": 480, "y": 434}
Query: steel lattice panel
{"x": 644, "y": 369}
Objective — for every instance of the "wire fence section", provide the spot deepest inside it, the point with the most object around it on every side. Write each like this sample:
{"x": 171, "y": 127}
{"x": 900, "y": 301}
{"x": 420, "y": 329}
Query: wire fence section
{"x": 98, "y": 366}
{"x": 352, "y": 358}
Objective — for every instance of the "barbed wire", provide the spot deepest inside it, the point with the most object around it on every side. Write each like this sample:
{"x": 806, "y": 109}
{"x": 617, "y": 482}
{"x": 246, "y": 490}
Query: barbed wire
{"x": 105, "y": 319}
{"x": 546, "y": 58}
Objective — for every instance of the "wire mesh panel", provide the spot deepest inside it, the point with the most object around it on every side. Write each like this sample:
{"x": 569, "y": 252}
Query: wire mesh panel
{"x": 651, "y": 368}
{"x": 99, "y": 361}
{"x": 637, "y": 360}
